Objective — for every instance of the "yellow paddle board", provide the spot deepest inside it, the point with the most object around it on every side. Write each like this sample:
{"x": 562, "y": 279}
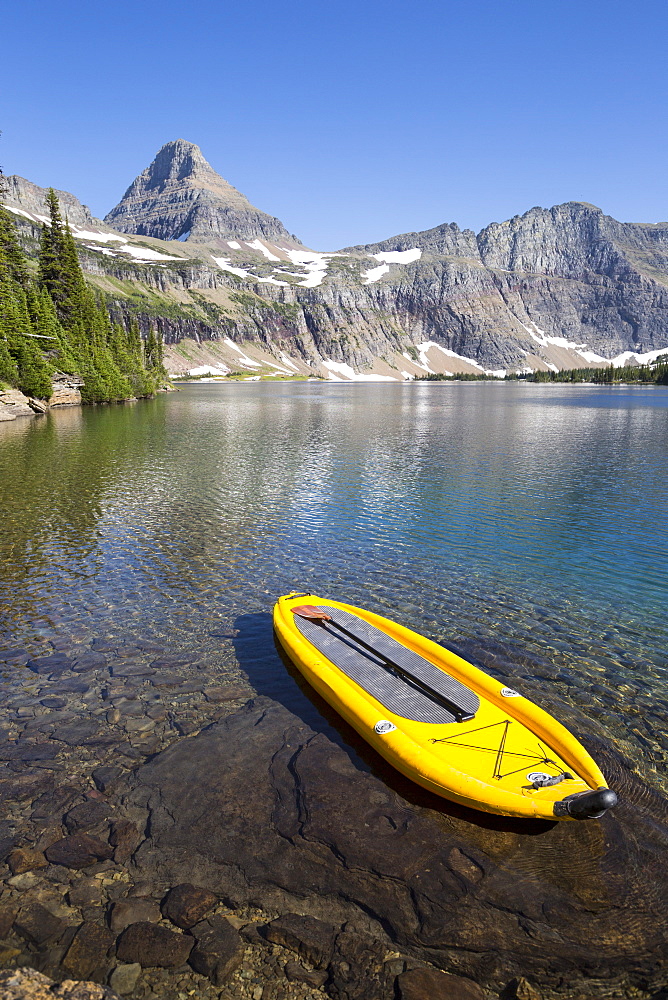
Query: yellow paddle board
{"x": 437, "y": 718}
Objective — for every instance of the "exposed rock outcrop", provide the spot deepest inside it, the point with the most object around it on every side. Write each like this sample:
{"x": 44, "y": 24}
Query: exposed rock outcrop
{"x": 29, "y": 197}
{"x": 181, "y": 197}
{"x": 13, "y": 404}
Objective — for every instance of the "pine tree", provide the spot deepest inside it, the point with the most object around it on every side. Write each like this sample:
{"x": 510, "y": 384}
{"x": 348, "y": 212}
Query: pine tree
{"x": 50, "y": 265}
{"x": 151, "y": 349}
{"x": 153, "y": 358}
{"x": 45, "y": 323}
{"x": 14, "y": 260}
{"x": 61, "y": 317}
{"x": 34, "y": 373}
{"x": 9, "y": 305}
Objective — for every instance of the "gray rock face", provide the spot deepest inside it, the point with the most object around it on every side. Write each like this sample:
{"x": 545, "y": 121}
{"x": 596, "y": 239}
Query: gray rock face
{"x": 569, "y": 271}
{"x": 181, "y": 197}
{"x": 263, "y": 810}
{"x": 447, "y": 240}
{"x": 32, "y": 198}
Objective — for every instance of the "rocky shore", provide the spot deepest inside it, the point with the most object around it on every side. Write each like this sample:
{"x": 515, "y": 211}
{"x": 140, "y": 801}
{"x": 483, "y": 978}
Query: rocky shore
{"x": 168, "y": 833}
{"x": 66, "y": 392}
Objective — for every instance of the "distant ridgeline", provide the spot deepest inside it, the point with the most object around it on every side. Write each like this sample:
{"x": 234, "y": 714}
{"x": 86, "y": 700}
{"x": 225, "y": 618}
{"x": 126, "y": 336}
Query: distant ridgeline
{"x": 51, "y": 322}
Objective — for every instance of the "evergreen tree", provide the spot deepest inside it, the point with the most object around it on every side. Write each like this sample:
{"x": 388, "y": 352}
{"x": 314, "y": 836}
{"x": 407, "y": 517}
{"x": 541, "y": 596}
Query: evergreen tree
{"x": 59, "y": 321}
{"x": 34, "y": 373}
{"x": 50, "y": 263}
{"x": 54, "y": 339}
{"x": 134, "y": 340}
{"x": 151, "y": 349}
{"x": 9, "y": 304}
{"x": 153, "y": 357}
{"x": 13, "y": 258}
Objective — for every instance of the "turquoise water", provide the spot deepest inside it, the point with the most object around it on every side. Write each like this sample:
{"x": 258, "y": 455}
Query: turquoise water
{"x": 526, "y": 522}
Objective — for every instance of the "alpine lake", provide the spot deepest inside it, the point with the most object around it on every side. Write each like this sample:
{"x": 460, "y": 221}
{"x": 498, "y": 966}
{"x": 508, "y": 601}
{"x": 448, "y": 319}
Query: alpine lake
{"x": 144, "y": 545}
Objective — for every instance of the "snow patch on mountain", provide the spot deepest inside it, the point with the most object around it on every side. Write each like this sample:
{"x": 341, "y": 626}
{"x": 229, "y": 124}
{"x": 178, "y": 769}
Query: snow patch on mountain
{"x": 398, "y": 256}
{"x": 388, "y": 257}
{"x": 544, "y": 340}
{"x": 374, "y": 273}
{"x": 225, "y": 265}
{"x": 250, "y": 362}
{"x": 209, "y": 370}
{"x": 641, "y": 359}
{"x": 286, "y": 361}
{"x": 144, "y": 255}
{"x": 272, "y": 281}
{"x": 351, "y": 375}
{"x": 315, "y": 264}
{"x": 422, "y": 352}
{"x": 257, "y": 245}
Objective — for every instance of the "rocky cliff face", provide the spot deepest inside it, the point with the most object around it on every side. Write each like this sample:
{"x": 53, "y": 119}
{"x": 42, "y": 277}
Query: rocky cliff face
{"x": 551, "y": 278}
{"x": 181, "y": 197}
{"x": 28, "y": 197}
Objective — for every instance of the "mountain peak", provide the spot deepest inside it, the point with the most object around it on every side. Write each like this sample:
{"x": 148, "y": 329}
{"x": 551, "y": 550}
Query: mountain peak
{"x": 179, "y": 196}
{"x": 178, "y": 160}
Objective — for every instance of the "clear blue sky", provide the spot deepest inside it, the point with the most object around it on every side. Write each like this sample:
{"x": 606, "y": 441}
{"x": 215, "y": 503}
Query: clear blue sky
{"x": 351, "y": 121}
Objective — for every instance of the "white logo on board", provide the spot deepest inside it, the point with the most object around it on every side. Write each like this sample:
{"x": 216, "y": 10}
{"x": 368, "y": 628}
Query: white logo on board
{"x": 384, "y": 726}
{"x": 510, "y": 693}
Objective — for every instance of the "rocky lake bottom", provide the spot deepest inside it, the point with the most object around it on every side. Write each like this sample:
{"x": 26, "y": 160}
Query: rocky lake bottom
{"x": 182, "y": 817}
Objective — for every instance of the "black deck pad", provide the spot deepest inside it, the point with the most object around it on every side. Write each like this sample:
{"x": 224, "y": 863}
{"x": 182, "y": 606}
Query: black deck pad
{"x": 391, "y": 690}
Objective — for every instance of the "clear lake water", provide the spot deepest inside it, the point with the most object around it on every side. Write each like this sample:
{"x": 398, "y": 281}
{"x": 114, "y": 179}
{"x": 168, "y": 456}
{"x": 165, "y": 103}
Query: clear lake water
{"x": 526, "y": 523}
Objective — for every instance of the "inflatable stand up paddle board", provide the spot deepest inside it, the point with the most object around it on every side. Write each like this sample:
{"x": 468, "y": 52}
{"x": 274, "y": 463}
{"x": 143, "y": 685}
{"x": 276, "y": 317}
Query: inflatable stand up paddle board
{"x": 440, "y": 720}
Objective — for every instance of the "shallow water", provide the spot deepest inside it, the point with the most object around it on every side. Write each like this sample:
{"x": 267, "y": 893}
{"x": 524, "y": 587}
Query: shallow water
{"x": 527, "y": 523}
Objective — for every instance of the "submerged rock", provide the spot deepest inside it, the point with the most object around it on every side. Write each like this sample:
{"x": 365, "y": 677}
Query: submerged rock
{"x": 87, "y": 956}
{"x": 124, "y": 978}
{"x": 25, "y": 859}
{"x": 219, "y": 949}
{"x": 186, "y": 904}
{"x": 78, "y": 851}
{"x": 151, "y": 945}
{"x": 37, "y": 924}
{"x": 266, "y": 812}
{"x": 429, "y": 984}
{"x": 312, "y": 939}
{"x": 133, "y": 911}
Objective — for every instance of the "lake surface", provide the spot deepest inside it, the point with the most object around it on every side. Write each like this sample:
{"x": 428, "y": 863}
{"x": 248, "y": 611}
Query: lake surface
{"x": 525, "y": 522}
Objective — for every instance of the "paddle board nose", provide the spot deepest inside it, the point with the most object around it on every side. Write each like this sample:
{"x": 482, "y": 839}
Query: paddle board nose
{"x": 586, "y": 805}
